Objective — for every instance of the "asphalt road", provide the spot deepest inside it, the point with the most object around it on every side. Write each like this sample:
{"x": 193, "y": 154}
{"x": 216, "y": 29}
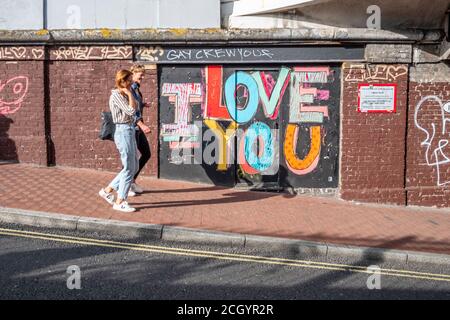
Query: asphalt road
{"x": 35, "y": 266}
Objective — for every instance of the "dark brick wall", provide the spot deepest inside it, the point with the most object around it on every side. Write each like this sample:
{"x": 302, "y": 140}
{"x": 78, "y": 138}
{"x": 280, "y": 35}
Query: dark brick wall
{"x": 79, "y": 92}
{"x": 428, "y": 174}
{"x": 22, "y": 130}
{"x": 373, "y": 147}
{"x": 61, "y": 91}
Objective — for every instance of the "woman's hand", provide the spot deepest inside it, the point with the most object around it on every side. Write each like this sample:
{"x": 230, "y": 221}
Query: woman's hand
{"x": 126, "y": 91}
{"x": 144, "y": 128}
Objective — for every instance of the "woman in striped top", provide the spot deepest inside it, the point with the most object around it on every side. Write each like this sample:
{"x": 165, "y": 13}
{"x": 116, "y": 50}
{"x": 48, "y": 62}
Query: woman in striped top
{"x": 123, "y": 108}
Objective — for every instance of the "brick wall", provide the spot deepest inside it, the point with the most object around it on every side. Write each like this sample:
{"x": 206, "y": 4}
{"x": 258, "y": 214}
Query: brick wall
{"x": 428, "y": 151}
{"x": 373, "y": 148}
{"x": 79, "y": 83}
{"x": 79, "y": 92}
{"x": 22, "y": 130}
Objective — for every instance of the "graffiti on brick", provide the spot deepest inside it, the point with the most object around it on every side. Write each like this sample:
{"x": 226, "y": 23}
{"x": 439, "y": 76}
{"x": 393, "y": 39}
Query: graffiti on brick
{"x": 241, "y": 112}
{"x": 152, "y": 54}
{"x": 21, "y": 53}
{"x": 12, "y": 94}
{"x": 91, "y": 53}
{"x": 245, "y": 54}
{"x": 437, "y": 135}
{"x": 360, "y": 73}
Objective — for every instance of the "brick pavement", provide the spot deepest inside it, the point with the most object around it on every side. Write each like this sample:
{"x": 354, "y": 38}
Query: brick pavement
{"x": 74, "y": 192}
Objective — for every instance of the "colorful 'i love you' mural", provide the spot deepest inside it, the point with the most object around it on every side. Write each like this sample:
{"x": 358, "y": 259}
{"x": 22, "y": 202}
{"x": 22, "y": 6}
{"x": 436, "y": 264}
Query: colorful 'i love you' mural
{"x": 262, "y": 126}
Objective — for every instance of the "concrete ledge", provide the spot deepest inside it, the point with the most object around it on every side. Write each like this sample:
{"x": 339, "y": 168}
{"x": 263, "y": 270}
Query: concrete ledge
{"x": 131, "y": 229}
{"x": 389, "y": 53}
{"x": 420, "y": 257}
{"x": 179, "y": 234}
{"x": 298, "y": 248}
{"x": 374, "y": 255}
{"x": 38, "y": 219}
{"x": 217, "y": 35}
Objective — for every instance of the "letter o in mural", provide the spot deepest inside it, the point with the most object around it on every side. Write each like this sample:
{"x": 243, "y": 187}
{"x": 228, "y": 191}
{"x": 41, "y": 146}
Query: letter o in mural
{"x": 245, "y": 114}
{"x": 264, "y": 159}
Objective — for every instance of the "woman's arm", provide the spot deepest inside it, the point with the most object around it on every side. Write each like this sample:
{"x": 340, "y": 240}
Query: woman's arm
{"x": 128, "y": 107}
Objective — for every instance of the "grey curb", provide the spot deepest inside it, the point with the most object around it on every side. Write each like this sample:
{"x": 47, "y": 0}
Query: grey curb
{"x": 184, "y": 235}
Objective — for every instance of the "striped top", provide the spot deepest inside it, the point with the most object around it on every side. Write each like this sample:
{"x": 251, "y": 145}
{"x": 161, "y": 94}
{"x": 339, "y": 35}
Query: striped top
{"x": 121, "y": 110}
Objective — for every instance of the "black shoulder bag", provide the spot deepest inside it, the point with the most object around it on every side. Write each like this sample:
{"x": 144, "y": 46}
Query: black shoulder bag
{"x": 108, "y": 127}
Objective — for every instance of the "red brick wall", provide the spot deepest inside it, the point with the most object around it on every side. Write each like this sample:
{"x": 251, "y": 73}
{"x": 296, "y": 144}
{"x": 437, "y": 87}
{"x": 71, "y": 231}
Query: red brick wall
{"x": 373, "y": 145}
{"x": 428, "y": 177}
{"x": 79, "y": 92}
{"x": 22, "y": 130}
{"x": 79, "y": 83}
{"x": 150, "y": 93}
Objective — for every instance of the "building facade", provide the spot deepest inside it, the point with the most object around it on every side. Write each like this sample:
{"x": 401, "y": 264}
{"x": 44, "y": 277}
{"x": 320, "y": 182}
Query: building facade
{"x": 259, "y": 95}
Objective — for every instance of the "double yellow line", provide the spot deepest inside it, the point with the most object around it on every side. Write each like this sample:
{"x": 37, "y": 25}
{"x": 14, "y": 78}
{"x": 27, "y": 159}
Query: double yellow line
{"x": 224, "y": 256}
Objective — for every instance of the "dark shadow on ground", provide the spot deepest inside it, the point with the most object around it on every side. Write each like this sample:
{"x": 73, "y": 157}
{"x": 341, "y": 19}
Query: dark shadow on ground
{"x": 8, "y": 150}
{"x": 199, "y": 189}
{"x": 232, "y": 197}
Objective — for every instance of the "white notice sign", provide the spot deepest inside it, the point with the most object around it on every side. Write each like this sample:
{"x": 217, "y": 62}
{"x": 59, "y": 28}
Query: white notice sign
{"x": 377, "y": 98}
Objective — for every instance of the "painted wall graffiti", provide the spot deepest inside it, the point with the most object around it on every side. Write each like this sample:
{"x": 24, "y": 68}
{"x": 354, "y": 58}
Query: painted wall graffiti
{"x": 437, "y": 135}
{"x": 181, "y": 134}
{"x": 21, "y": 53}
{"x": 260, "y": 121}
{"x": 150, "y": 53}
{"x": 91, "y": 53}
{"x": 361, "y": 72}
{"x": 12, "y": 93}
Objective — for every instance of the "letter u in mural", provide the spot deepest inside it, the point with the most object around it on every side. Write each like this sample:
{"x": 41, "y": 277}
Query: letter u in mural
{"x": 262, "y": 127}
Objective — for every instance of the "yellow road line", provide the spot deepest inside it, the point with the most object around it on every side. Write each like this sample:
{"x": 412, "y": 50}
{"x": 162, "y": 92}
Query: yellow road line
{"x": 133, "y": 245}
{"x": 223, "y": 256}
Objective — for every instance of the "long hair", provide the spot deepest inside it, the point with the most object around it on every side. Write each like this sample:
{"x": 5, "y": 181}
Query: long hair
{"x": 122, "y": 76}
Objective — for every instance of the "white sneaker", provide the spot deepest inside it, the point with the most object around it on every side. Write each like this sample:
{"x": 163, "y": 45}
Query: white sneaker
{"x": 131, "y": 193}
{"x": 109, "y": 197}
{"x": 137, "y": 189}
{"x": 124, "y": 207}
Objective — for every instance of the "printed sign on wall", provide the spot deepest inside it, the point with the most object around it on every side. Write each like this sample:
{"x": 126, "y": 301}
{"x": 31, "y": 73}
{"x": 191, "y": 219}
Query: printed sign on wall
{"x": 377, "y": 98}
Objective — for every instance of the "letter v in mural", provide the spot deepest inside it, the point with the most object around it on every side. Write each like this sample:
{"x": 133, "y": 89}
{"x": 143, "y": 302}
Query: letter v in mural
{"x": 262, "y": 127}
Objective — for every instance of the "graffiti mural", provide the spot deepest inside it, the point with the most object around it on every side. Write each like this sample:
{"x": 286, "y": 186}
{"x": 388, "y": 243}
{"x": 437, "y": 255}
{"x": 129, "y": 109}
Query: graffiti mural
{"x": 12, "y": 93}
{"x": 380, "y": 72}
{"x": 91, "y": 53}
{"x": 21, "y": 53}
{"x": 437, "y": 135}
{"x": 263, "y": 127}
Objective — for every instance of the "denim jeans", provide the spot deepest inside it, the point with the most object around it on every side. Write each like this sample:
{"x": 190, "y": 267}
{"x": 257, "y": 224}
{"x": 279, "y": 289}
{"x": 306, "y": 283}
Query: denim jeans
{"x": 125, "y": 139}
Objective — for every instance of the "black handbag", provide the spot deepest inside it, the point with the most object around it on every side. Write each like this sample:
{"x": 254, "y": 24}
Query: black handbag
{"x": 108, "y": 127}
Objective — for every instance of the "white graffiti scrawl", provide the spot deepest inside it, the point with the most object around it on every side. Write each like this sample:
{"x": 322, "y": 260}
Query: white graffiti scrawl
{"x": 12, "y": 94}
{"x": 437, "y": 135}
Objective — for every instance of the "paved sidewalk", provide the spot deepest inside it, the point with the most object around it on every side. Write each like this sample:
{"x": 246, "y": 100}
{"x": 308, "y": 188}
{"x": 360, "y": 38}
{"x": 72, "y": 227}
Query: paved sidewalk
{"x": 74, "y": 192}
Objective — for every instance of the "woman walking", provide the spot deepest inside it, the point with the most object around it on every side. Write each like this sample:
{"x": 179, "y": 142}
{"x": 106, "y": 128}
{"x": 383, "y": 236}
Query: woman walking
{"x": 141, "y": 129}
{"x": 123, "y": 109}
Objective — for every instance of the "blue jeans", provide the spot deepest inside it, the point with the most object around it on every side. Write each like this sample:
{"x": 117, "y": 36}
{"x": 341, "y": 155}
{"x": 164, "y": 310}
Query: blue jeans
{"x": 125, "y": 139}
